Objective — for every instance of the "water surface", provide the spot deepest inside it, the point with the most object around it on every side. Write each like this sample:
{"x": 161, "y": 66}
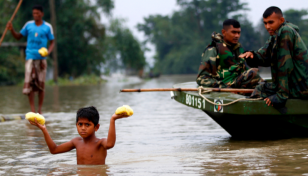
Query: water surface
{"x": 163, "y": 137}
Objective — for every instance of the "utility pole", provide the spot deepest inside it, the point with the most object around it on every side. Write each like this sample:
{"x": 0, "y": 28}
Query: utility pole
{"x": 54, "y": 52}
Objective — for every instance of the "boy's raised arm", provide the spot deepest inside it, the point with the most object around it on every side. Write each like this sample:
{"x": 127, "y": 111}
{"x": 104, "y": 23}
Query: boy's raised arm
{"x": 111, "y": 139}
{"x": 53, "y": 148}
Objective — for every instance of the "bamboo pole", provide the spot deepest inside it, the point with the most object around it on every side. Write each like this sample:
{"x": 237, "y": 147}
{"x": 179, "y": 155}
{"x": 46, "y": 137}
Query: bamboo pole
{"x": 188, "y": 89}
{"x": 12, "y": 17}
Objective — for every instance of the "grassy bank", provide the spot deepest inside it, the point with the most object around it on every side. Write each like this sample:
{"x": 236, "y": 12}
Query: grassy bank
{"x": 82, "y": 80}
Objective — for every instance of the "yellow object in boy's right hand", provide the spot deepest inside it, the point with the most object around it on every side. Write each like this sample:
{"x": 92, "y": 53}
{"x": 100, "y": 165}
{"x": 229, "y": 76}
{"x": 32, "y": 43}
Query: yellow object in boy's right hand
{"x": 43, "y": 52}
{"x": 39, "y": 118}
{"x": 124, "y": 109}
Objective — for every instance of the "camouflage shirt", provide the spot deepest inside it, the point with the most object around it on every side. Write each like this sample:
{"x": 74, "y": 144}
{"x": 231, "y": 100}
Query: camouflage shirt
{"x": 286, "y": 54}
{"x": 220, "y": 65}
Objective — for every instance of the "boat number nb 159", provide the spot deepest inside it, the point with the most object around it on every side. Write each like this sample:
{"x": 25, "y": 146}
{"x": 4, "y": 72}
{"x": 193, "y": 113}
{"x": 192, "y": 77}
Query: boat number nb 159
{"x": 195, "y": 101}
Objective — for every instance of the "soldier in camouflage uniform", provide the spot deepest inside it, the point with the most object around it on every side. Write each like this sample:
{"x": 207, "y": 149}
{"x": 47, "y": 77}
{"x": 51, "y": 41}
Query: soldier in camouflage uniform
{"x": 286, "y": 54}
{"x": 221, "y": 67}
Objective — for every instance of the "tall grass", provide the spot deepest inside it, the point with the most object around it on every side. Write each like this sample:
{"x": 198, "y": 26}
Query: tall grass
{"x": 82, "y": 80}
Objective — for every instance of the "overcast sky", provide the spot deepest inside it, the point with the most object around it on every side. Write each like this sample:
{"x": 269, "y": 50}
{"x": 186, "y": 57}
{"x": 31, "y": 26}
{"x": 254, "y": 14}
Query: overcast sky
{"x": 135, "y": 10}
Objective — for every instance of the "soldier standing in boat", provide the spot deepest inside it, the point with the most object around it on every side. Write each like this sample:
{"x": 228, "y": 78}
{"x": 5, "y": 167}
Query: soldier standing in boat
{"x": 221, "y": 66}
{"x": 286, "y": 54}
{"x": 38, "y": 33}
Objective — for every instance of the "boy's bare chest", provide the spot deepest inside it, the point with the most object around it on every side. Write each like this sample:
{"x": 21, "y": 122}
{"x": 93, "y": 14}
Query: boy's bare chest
{"x": 90, "y": 154}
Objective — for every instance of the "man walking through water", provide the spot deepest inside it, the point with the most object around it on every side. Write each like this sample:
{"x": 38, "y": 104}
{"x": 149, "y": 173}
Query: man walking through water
{"x": 38, "y": 33}
{"x": 221, "y": 67}
{"x": 286, "y": 54}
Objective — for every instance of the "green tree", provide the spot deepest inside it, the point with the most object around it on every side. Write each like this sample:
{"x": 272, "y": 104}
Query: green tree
{"x": 79, "y": 31}
{"x": 11, "y": 67}
{"x": 123, "y": 45}
{"x": 181, "y": 38}
{"x": 12, "y": 64}
{"x": 297, "y": 17}
{"x": 83, "y": 46}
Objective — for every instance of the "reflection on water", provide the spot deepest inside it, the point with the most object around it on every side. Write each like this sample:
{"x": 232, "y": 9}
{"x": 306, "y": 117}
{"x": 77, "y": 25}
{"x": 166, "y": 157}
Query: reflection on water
{"x": 163, "y": 137}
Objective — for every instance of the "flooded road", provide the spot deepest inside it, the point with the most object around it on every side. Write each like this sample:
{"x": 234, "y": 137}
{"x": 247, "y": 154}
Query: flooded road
{"x": 163, "y": 137}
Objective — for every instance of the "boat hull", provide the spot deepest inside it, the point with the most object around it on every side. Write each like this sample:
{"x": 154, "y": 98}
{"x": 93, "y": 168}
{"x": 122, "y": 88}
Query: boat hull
{"x": 249, "y": 119}
{"x": 261, "y": 126}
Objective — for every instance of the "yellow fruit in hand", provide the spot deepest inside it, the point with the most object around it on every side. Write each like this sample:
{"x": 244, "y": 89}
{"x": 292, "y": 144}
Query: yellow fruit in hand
{"x": 39, "y": 118}
{"x": 43, "y": 52}
{"x": 124, "y": 109}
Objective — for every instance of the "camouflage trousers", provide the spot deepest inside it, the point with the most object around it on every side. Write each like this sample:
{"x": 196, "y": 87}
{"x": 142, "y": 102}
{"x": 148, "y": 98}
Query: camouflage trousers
{"x": 248, "y": 79}
{"x": 267, "y": 90}
{"x": 264, "y": 90}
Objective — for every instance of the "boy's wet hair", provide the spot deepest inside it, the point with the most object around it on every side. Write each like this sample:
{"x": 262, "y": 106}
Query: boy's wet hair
{"x": 38, "y": 7}
{"x": 273, "y": 9}
{"x": 227, "y": 23}
{"x": 89, "y": 113}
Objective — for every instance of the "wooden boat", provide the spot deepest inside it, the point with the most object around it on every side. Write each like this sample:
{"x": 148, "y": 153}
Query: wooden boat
{"x": 248, "y": 119}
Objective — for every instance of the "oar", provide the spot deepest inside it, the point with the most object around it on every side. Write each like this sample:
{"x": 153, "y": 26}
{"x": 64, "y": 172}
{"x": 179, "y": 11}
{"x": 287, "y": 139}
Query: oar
{"x": 12, "y": 17}
{"x": 188, "y": 89}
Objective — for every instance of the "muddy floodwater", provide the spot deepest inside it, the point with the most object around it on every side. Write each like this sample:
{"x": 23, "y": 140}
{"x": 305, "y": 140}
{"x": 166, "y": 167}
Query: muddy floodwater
{"x": 163, "y": 137}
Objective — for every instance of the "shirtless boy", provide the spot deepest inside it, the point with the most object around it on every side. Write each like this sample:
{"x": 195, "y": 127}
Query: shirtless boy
{"x": 90, "y": 149}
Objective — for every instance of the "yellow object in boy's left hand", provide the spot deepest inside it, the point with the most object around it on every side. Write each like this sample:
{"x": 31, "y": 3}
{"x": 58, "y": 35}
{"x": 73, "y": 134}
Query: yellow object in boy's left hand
{"x": 39, "y": 118}
{"x": 43, "y": 52}
{"x": 124, "y": 110}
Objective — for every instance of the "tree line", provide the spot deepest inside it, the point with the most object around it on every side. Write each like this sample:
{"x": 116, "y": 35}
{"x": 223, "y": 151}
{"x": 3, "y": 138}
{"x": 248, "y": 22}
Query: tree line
{"x": 82, "y": 40}
{"x": 85, "y": 45}
{"x": 181, "y": 38}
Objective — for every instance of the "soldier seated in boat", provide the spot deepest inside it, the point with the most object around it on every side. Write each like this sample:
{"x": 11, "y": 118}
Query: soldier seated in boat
{"x": 286, "y": 54}
{"x": 221, "y": 67}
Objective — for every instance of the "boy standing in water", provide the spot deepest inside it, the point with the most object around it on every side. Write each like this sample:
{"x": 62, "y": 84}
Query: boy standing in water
{"x": 90, "y": 149}
{"x": 38, "y": 33}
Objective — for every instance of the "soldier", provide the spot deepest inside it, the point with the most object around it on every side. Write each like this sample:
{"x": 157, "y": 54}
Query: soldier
{"x": 286, "y": 54}
{"x": 221, "y": 66}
